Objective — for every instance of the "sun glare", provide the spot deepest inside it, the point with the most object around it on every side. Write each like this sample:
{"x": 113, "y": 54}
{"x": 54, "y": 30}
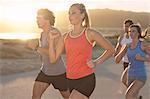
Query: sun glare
{"x": 18, "y": 14}
{"x": 27, "y": 12}
{"x": 21, "y": 36}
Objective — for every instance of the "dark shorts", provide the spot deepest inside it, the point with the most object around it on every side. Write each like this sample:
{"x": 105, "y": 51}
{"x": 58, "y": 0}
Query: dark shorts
{"x": 125, "y": 65}
{"x": 85, "y": 85}
{"x": 131, "y": 79}
{"x": 59, "y": 81}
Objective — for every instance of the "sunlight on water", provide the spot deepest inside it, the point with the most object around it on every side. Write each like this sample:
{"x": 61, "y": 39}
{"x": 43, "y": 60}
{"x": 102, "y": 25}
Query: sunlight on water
{"x": 21, "y": 36}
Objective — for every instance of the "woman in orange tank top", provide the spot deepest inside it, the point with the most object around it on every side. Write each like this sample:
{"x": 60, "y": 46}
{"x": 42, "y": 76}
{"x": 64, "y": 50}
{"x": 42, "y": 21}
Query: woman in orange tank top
{"x": 78, "y": 45}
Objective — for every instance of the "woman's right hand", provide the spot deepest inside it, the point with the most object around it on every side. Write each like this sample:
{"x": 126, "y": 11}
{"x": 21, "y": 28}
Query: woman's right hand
{"x": 53, "y": 34}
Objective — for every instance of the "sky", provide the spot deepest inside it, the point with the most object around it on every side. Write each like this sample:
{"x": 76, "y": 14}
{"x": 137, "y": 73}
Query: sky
{"x": 10, "y": 9}
{"x": 135, "y": 5}
{"x": 24, "y": 11}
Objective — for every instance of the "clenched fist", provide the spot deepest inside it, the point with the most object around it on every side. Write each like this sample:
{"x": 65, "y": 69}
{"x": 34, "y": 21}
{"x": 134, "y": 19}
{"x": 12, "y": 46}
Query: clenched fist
{"x": 33, "y": 44}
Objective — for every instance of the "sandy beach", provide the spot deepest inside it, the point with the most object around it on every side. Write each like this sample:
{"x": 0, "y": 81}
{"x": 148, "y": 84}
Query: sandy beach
{"x": 19, "y": 86}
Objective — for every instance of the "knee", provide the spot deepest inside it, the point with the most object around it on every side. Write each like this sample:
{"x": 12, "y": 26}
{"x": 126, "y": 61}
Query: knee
{"x": 129, "y": 96}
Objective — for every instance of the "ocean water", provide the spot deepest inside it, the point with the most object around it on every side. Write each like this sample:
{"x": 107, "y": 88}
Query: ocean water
{"x": 22, "y": 36}
{"x": 25, "y": 36}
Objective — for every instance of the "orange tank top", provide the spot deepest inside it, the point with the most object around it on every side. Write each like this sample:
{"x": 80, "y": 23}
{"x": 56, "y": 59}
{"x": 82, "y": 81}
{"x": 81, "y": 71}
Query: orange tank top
{"x": 78, "y": 51}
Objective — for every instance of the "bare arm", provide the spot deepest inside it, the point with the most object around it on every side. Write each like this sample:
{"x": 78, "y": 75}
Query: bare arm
{"x": 42, "y": 50}
{"x": 118, "y": 46}
{"x": 101, "y": 41}
{"x": 146, "y": 48}
{"x": 34, "y": 45}
{"x": 122, "y": 52}
{"x": 56, "y": 46}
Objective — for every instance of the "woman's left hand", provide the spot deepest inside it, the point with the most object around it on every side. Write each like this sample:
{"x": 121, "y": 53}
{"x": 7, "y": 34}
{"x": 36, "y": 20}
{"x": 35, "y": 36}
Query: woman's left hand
{"x": 139, "y": 57}
{"x": 90, "y": 63}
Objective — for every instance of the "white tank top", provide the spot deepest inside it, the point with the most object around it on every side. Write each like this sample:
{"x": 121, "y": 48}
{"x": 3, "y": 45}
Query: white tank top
{"x": 125, "y": 41}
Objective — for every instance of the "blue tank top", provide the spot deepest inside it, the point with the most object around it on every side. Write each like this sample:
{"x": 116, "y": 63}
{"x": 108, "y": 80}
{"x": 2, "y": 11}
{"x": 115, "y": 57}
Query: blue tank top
{"x": 136, "y": 68}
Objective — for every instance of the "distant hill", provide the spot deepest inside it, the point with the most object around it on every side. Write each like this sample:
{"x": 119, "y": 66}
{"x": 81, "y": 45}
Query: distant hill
{"x": 106, "y": 18}
{"x": 114, "y": 18}
{"x": 100, "y": 18}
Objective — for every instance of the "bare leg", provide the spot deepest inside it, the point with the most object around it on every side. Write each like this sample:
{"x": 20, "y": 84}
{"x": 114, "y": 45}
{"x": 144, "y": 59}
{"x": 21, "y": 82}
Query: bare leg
{"x": 38, "y": 89}
{"x": 123, "y": 84}
{"x": 77, "y": 95}
{"x": 124, "y": 77}
{"x": 133, "y": 90}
